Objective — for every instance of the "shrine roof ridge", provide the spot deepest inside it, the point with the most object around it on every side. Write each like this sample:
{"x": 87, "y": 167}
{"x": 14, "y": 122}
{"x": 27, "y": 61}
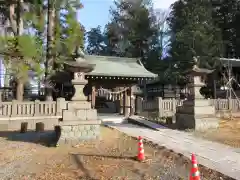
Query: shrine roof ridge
{"x": 118, "y": 66}
{"x": 111, "y": 58}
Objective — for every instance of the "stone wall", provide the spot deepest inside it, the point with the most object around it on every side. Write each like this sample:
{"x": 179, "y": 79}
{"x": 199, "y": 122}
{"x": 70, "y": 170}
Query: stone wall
{"x": 73, "y": 134}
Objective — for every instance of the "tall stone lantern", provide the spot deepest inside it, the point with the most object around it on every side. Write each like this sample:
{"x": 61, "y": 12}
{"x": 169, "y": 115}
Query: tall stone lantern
{"x": 79, "y": 120}
{"x": 196, "y": 112}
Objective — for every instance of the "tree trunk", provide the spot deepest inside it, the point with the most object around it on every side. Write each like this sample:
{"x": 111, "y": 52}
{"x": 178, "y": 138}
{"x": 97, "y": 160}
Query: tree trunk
{"x": 20, "y": 90}
{"x": 12, "y": 20}
{"x": 20, "y": 84}
{"x": 50, "y": 58}
{"x": 7, "y": 75}
{"x": 19, "y": 18}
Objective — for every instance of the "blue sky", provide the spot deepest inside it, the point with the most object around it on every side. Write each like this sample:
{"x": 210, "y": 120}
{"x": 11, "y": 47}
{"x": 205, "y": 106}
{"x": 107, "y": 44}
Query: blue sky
{"x": 96, "y": 12}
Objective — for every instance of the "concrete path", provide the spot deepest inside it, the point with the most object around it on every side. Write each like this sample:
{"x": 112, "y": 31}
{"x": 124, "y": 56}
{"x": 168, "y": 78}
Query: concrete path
{"x": 219, "y": 157}
{"x": 111, "y": 118}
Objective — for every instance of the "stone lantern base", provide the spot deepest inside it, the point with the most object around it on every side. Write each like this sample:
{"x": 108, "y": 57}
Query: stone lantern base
{"x": 196, "y": 114}
{"x": 79, "y": 123}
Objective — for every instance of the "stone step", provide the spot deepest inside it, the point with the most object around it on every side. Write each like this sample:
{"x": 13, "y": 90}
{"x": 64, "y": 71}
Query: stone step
{"x": 143, "y": 122}
{"x": 112, "y": 119}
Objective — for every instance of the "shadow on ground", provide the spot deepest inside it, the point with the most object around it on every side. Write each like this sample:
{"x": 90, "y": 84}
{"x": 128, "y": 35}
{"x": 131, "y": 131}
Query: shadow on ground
{"x": 105, "y": 156}
{"x": 87, "y": 173}
{"x": 90, "y": 174}
{"x": 46, "y": 138}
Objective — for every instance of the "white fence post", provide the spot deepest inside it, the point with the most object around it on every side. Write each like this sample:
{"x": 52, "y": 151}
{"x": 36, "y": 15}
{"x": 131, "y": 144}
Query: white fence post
{"x": 160, "y": 109}
{"x": 229, "y": 104}
{"x": 174, "y": 106}
{"x": 14, "y": 108}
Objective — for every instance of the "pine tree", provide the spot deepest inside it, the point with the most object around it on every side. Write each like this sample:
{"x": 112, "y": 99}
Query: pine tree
{"x": 133, "y": 31}
{"x": 22, "y": 50}
{"x": 69, "y": 33}
{"x": 64, "y": 34}
{"x": 194, "y": 34}
{"x": 226, "y": 16}
{"x": 95, "y": 40}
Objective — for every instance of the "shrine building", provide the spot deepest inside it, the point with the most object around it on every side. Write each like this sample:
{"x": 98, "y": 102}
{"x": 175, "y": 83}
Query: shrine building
{"x": 111, "y": 83}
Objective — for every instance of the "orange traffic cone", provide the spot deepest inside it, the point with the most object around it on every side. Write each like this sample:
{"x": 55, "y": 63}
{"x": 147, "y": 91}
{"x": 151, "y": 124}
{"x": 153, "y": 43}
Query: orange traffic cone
{"x": 194, "y": 174}
{"x": 141, "y": 156}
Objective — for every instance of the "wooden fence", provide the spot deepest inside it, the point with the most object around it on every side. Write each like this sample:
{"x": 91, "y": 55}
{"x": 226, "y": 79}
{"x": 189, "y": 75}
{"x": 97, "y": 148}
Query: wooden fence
{"x": 167, "y": 107}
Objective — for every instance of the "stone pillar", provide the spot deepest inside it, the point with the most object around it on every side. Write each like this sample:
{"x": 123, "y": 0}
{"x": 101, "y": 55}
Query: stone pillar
{"x": 121, "y": 102}
{"x": 93, "y": 97}
{"x": 124, "y": 102}
{"x": 36, "y": 107}
{"x": 14, "y": 108}
{"x": 133, "y": 97}
{"x": 138, "y": 105}
{"x": 131, "y": 103}
{"x": 127, "y": 99}
{"x": 61, "y": 104}
{"x": 160, "y": 104}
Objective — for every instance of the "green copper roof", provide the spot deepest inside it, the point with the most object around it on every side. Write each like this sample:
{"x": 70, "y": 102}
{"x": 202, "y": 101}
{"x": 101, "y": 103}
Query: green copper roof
{"x": 117, "y": 66}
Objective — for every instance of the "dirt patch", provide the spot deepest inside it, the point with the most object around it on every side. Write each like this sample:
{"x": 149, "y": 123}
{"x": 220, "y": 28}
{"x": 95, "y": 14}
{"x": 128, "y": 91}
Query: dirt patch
{"x": 228, "y": 133}
{"x": 112, "y": 157}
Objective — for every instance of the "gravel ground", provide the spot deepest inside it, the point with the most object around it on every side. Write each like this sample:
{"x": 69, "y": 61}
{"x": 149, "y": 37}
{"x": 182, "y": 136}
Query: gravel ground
{"x": 228, "y": 133}
{"x": 112, "y": 157}
{"x": 14, "y": 155}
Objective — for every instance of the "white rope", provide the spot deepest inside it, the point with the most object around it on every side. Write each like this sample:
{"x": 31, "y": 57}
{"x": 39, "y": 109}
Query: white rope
{"x": 111, "y": 92}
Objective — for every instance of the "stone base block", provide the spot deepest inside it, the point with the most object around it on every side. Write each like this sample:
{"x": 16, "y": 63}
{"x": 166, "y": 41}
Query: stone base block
{"x": 197, "y": 102}
{"x": 198, "y": 110}
{"x": 79, "y": 114}
{"x": 199, "y": 123}
{"x": 78, "y": 105}
{"x": 74, "y": 134}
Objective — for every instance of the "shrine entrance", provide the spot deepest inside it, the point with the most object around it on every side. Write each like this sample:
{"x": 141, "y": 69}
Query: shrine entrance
{"x": 111, "y": 98}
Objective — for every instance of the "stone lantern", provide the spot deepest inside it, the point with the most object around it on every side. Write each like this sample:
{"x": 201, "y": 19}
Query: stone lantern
{"x": 79, "y": 120}
{"x": 197, "y": 78}
{"x": 196, "y": 112}
{"x": 79, "y": 67}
